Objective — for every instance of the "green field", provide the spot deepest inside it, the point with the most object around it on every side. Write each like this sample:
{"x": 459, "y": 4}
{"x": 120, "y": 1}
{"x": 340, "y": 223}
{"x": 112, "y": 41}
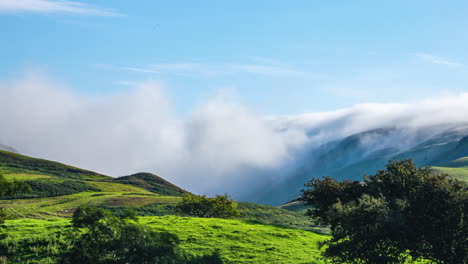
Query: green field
{"x": 38, "y": 241}
{"x": 460, "y": 173}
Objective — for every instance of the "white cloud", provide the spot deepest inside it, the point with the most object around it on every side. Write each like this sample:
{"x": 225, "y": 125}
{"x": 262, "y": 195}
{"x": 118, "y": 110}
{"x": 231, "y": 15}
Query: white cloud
{"x": 220, "y": 147}
{"x": 437, "y": 60}
{"x": 49, "y": 6}
{"x": 136, "y": 131}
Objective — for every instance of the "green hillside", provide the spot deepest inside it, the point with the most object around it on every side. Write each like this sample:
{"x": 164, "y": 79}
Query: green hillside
{"x": 151, "y": 183}
{"x": 58, "y": 188}
{"x": 38, "y": 224}
{"x": 39, "y": 220}
{"x": 11, "y": 163}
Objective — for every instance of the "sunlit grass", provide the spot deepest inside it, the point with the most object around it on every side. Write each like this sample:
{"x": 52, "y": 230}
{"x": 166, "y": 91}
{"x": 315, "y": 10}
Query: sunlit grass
{"x": 63, "y": 206}
{"x": 116, "y": 187}
{"x": 457, "y": 173}
{"x": 24, "y": 176}
{"x": 237, "y": 241}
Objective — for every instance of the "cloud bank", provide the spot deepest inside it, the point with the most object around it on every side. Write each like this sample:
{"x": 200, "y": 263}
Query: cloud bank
{"x": 220, "y": 147}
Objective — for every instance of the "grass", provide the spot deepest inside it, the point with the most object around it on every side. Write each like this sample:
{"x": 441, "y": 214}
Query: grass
{"x": 152, "y": 183}
{"x": 460, "y": 173}
{"x": 145, "y": 203}
{"x": 241, "y": 241}
{"x": 36, "y": 241}
{"x": 11, "y": 162}
{"x": 63, "y": 206}
{"x": 25, "y": 176}
{"x": 278, "y": 216}
{"x": 116, "y": 187}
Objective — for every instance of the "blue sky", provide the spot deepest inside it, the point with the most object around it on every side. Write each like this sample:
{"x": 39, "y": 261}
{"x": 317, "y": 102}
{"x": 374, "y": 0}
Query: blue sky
{"x": 279, "y": 57}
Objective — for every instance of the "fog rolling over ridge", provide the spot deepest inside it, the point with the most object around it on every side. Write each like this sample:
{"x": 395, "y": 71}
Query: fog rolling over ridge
{"x": 221, "y": 146}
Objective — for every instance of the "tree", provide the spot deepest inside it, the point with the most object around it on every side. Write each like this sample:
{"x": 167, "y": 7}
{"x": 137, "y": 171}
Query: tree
{"x": 103, "y": 238}
{"x": 400, "y": 212}
{"x": 201, "y": 206}
{"x": 10, "y": 189}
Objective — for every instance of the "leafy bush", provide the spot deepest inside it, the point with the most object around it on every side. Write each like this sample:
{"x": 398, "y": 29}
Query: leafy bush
{"x": 109, "y": 239}
{"x": 45, "y": 188}
{"x": 201, "y": 206}
{"x": 401, "y": 212}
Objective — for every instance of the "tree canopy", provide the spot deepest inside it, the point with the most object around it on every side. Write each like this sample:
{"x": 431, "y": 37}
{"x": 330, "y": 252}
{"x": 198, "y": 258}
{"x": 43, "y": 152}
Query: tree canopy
{"x": 400, "y": 212}
{"x": 220, "y": 206}
{"x": 102, "y": 237}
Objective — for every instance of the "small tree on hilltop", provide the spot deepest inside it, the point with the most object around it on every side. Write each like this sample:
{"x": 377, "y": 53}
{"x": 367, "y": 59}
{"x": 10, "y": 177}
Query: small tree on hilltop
{"x": 400, "y": 212}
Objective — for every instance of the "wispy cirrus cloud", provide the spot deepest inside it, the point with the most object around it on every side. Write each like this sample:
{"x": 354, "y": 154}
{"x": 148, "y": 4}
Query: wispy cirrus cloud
{"x": 193, "y": 69}
{"x": 437, "y": 60}
{"x": 50, "y": 6}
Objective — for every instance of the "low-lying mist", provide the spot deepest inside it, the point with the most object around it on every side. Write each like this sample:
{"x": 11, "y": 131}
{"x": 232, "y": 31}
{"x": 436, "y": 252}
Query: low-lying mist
{"x": 222, "y": 146}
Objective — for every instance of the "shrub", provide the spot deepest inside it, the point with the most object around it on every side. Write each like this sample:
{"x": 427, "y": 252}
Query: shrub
{"x": 105, "y": 238}
{"x": 201, "y": 206}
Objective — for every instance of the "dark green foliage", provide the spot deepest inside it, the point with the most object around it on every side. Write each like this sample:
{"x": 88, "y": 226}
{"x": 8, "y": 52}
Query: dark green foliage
{"x": 3, "y": 215}
{"x": 50, "y": 188}
{"x": 109, "y": 239}
{"x": 152, "y": 183}
{"x": 201, "y": 206}
{"x": 10, "y": 188}
{"x": 325, "y": 193}
{"x": 399, "y": 212}
{"x": 89, "y": 216}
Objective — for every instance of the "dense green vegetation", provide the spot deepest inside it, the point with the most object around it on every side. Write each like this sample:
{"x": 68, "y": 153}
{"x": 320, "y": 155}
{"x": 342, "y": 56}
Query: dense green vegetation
{"x": 221, "y": 206}
{"x": 400, "y": 212}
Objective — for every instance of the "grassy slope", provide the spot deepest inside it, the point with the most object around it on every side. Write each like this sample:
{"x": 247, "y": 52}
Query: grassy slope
{"x": 32, "y": 236}
{"x": 456, "y": 168}
{"x": 457, "y": 173}
{"x": 237, "y": 241}
{"x": 152, "y": 183}
{"x": 148, "y": 194}
{"x": 15, "y": 163}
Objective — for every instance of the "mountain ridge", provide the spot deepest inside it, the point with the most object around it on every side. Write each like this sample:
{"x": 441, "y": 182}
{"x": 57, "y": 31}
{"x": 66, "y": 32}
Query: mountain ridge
{"x": 366, "y": 152}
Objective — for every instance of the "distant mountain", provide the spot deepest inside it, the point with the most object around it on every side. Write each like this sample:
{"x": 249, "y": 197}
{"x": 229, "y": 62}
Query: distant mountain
{"x": 8, "y": 148}
{"x": 366, "y": 152}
